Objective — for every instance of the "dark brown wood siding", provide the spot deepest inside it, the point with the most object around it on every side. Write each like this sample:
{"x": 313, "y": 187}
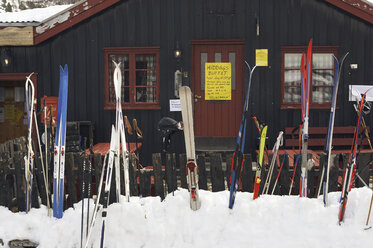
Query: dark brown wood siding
{"x": 163, "y": 22}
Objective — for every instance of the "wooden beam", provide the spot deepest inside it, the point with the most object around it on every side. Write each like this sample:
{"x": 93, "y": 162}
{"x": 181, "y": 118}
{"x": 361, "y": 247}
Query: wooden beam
{"x": 17, "y": 36}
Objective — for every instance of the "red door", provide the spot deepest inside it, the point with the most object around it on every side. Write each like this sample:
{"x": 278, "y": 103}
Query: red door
{"x": 217, "y": 118}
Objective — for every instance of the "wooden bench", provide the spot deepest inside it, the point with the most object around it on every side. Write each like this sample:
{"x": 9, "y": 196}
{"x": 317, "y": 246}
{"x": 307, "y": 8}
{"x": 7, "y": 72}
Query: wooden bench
{"x": 342, "y": 138}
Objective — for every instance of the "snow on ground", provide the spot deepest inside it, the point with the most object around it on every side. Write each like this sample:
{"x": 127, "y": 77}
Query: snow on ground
{"x": 32, "y": 15}
{"x": 270, "y": 221}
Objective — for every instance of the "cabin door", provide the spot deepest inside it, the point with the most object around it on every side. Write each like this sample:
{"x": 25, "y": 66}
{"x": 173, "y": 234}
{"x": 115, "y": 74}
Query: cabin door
{"x": 217, "y": 118}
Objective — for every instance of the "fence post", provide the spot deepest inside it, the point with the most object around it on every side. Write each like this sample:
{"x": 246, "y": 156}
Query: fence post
{"x": 145, "y": 182}
{"x": 158, "y": 175}
{"x": 182, "y": 170}
{"x": 134, "y": 190}
{"x": 170, "y": 172}
{"x": 71, "y": 183}
{"x": 19, "y": 164}
{"x": 217, "y": 177}
{"x": 247, "y": 175}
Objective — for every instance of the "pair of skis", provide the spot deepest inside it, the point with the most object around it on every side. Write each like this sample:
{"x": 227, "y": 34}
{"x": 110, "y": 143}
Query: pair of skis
{"x": 118, "y": 147}
{"x": 349, "y": 173}
{"x": 238, "y": 157}
{"x": 305, "y": 96}
{"x": 324, "y": 181}
{"x": 29, "y": 158}
{"x": 191, "y": 167}
{"x": 59, "y": 148}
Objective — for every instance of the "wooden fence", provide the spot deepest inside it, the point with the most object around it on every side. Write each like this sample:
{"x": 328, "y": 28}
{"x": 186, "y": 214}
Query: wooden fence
{"x": 164, "y": 176}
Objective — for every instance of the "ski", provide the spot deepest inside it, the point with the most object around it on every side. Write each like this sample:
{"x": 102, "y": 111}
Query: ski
{"x": 324, "y": 181}
{"x": 59, "y": 148}
{"x": 120, "y": 130}
{"x": 348, "y": 177}
{"x": 29, "y": 158}
{"x": 259, "y": 164}
{"x": 305, "y": 90}
{"x": 275, "y": 149}
{"x": 191, "y": 166}
{"x": 109, "y": 172}
{"x": 238, "y": 157}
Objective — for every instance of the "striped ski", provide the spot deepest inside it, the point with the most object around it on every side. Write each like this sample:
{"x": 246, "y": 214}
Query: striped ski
{"x": 109, "y": 172}
{"x": 348, "y": 177}
{"x": 29, "y": 158}
{"x": 305, "y": 89}
{"x": 238, "y": 157}
{"x": 191, "y": 166}
{"x": 59, "y": 148}
{"x": 324, "y": 181}
{"x": 259, "y": 164}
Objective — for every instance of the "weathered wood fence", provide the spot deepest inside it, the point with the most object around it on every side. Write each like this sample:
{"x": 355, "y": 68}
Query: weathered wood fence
{"x": 165, "y": 175}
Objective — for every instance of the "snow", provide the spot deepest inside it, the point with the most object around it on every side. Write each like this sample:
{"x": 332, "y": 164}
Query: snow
{"x": 269, "y": 221}
{"x": 32, "y": 15}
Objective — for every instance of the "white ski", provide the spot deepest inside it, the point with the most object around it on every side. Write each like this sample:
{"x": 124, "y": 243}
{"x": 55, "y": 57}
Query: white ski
{"x": 191, "y": 167}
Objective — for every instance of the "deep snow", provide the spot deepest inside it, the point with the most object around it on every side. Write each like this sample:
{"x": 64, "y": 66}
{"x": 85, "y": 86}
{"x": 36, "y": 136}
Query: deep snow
{"x": 270, "y": 221}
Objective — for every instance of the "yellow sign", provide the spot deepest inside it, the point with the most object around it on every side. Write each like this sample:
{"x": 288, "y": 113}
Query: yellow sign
{"x": 218, "y": 81}
{"x": 261, "y": 57}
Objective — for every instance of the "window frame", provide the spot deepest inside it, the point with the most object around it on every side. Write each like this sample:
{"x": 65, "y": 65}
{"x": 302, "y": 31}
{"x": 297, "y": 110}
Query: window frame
{"x": 132, "y": 52}
{"x": 301, "y": 49}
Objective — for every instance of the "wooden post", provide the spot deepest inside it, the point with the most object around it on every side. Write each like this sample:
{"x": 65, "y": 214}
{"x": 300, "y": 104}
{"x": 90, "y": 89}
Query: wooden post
{"x": 217, "y": 177}
{"x": 145, "y": 182}
{"x": 158, "y": 175}
{"x": 134, "y": 191}
{"x": 71, "y": 183}
{"x": 202, "y": 176}
{"x": 247, "y": 175}
{"x": 182, "y": 170}
{"x": 19, "y": 165}
{"x": 283, "y": 181}
{"x": 333, "y": 173}
{"x": 170, "y": 174}
{"x": 228, "y": 161}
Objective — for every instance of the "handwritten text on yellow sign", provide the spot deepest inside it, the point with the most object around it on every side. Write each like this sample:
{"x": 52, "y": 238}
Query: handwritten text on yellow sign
{"x": 218, "y": 81}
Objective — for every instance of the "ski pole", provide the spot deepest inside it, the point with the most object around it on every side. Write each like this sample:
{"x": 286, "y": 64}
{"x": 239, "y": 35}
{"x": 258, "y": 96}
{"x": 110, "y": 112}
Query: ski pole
{"x": 279, "y": 172}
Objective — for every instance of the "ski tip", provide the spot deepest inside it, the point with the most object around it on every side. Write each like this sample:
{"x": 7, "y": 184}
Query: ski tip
{"x": 65, "y": 68}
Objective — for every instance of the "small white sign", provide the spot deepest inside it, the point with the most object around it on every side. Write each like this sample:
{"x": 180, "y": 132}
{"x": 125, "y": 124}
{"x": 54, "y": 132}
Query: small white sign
{"x": 355, "y": 92}
{"x": 175, "y": 105}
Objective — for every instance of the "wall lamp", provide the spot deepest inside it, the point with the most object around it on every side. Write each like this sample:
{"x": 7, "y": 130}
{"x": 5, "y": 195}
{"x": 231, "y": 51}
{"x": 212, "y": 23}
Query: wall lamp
{"x": 177, "y": 51}
{"x": 5, "y": 57}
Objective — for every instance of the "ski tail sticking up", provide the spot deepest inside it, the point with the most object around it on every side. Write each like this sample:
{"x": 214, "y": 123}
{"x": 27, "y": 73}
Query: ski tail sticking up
{"x": 351, "y": 165}
{"x": 238, "y": 157}
{"x": 324, "y": 181}
{"x": 305, "y": 88}
{"x": 29, "y": 158}
{"x": 259, "y": 165}
{"x": 59, "y": 148}
{"x": 191, "y": 167}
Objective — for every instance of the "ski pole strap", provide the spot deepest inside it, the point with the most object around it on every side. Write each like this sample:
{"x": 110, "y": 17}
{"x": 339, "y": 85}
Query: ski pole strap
{"x": 137, "y": 129}
{"x": 127, "y": 125}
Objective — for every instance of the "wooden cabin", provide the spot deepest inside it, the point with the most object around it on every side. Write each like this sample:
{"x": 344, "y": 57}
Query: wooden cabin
{"x": 162, "y": 43}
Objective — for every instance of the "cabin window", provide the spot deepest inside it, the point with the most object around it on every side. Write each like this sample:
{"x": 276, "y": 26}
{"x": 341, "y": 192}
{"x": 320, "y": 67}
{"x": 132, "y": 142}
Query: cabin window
{"x": 140, "y": 77}
{"x": 322, "y": 76}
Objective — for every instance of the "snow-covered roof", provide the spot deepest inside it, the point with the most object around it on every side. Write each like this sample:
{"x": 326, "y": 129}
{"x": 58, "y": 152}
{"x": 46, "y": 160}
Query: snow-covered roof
{"x": 30, "y": 16}
{"x": 40, "y": 24}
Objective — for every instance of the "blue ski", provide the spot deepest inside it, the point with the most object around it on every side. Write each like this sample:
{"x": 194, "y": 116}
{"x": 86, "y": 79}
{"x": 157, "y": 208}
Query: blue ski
{"x": 238, "y": 157}
{"x": 59, "y": 148}
{"x": 324, "y": 181}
